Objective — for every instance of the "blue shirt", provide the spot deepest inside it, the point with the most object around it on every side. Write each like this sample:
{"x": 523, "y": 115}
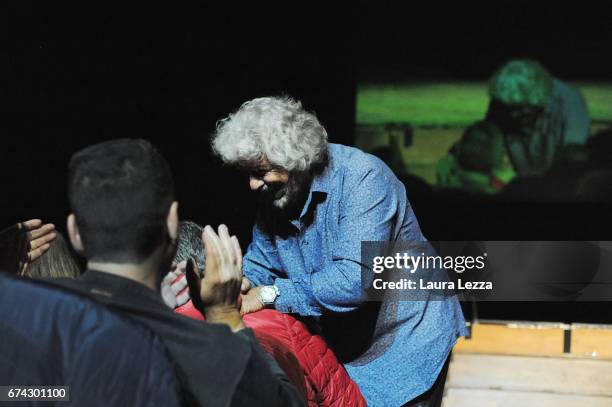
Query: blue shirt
{"x": 317, "y": 270}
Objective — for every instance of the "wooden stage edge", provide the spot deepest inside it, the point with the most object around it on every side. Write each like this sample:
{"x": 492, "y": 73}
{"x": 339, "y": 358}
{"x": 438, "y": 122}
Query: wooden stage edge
{"x": 545, "y": 339}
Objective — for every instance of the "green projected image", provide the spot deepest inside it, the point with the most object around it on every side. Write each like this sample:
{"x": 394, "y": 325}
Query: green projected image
{"x": 438, "y": 113}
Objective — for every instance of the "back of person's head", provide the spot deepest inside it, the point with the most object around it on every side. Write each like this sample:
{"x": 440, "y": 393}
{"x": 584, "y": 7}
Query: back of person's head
{"x": 481, "y": 148}
{"x": 57, "y": 262}
{"x": 190, "y": 244}
{"x": 120, "y": 192}
{"x": 521, "y": 82}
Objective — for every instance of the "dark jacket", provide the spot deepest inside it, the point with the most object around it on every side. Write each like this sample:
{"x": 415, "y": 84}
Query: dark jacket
{"x": 221, "y": 368}
{"x": 51, "y": 337}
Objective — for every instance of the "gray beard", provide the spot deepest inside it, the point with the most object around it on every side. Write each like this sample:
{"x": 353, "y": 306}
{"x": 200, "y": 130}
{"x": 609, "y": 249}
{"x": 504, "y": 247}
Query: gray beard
{"x": 275, "y": 214}
{"x": 282, "y": 202}
{"x": 293, "y": 194}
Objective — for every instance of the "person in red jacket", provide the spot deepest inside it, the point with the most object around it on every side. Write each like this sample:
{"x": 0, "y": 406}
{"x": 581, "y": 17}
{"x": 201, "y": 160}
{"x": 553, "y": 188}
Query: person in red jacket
{"x": 305, "y": 357}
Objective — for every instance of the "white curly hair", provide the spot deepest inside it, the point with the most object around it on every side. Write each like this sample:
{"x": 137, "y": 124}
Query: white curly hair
{"x": 275, "y": 128}
{"x": 521, "y": 81}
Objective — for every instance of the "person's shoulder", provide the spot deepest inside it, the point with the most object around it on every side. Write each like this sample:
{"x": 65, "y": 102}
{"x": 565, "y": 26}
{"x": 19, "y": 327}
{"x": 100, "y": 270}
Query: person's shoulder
{"x": 565, "y": 89}
{"x": 363, "y": 176}
{"x": 72, "y": 285}
{"x": 568, "y": 99}
{"x": 354, "y": 161}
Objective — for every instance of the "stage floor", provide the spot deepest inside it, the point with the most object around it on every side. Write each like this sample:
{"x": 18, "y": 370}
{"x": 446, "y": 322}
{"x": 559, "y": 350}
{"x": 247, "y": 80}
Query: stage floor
{"x": 508, "y": 364}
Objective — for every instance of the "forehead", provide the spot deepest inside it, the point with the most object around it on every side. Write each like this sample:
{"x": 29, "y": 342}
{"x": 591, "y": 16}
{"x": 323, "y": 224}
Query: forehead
{"x": 258, "y": 165}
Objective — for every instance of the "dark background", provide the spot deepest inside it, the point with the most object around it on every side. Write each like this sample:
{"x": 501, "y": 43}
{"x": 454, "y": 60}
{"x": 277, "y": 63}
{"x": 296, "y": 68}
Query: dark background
{"x": 468, "y": 40}
{"x": 76, "y": 76}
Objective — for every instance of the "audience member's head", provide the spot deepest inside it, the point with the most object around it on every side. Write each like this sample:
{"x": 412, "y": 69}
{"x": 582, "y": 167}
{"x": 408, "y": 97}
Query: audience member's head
{"x": 122, "y": 198}
{"x": 190, "y": 244}
{"x": 481, "y": 148}
{"x": 57, "y": 262}
{"x": 521, "y": 82}
{"x": 278, "y": 143}
{"x": 277, "y": 129}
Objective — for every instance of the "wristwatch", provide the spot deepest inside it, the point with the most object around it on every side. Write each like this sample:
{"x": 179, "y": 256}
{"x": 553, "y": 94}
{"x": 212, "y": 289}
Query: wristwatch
{"x": 268, "y": 294}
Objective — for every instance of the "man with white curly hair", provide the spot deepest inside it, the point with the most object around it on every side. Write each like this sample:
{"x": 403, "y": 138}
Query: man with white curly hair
{"x": 538, "y": 114}
{"x": 318, "y": 202}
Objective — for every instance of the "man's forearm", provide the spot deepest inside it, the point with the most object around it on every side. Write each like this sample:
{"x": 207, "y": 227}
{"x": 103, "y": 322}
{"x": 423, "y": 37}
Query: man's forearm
{"x": 258, "y": 276}
{"x": 323, "y": 293}
{"x": 292, "y": 301}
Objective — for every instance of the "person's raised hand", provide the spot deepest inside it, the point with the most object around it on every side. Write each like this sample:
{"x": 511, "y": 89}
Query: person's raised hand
{"x": 39, "y": 238}
{"x": 222, "y": 282}
{"x": 174, "y": 288}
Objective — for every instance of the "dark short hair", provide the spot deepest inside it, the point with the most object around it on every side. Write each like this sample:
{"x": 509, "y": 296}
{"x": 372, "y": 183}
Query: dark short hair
{"x": 481, "y": 147}
{"x": 120, "y": 192}
{"x": 190, "y": 244}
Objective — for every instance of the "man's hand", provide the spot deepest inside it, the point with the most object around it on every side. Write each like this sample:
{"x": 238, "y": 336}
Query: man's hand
{"x": 39, "y": 238}
{"x": 251, "y": 301}
{"x": 174, "y": 288}
{"x": 246, "y": 285}
{"x": 222, "y": 282}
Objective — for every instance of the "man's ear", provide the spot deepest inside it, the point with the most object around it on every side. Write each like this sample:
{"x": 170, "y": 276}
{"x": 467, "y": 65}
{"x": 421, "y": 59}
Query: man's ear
{"x": 172, "y": 221}
{"x": 74, "y": 235}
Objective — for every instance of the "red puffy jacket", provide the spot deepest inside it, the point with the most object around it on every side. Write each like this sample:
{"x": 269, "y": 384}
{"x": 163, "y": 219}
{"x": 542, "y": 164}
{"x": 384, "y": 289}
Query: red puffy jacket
{"x": 316, "y": 373}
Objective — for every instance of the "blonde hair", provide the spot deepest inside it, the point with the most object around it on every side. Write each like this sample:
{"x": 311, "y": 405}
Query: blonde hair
{"x": 57, "y": 262}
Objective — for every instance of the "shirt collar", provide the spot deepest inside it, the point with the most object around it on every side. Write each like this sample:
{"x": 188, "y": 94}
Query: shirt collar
{"x": 320, "y": 184}
{"x": 119, "y": 288}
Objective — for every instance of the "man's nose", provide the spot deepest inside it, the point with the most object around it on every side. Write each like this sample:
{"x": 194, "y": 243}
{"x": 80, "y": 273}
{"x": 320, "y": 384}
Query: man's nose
{"x": 255, "y": 183}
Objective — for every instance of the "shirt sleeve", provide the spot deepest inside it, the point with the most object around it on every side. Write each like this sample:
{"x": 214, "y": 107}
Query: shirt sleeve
{"x": 372, "y": 208}
{"x": 577, "y": 121}
{"x": 261, "y": 264}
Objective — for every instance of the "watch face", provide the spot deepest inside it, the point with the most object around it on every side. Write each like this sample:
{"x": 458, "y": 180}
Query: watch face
{"x": 268, "y": 295}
